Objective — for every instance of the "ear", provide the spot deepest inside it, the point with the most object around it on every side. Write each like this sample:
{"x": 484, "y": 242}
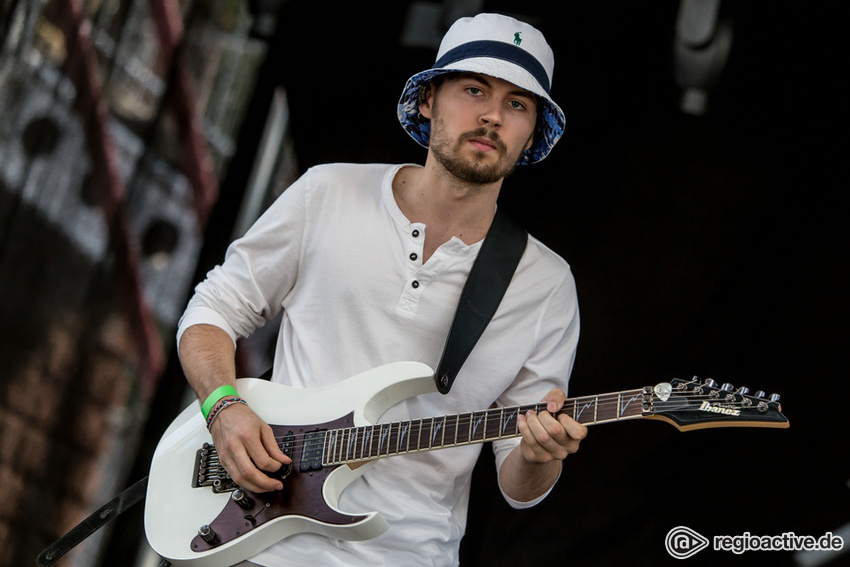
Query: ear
{"x": 426, "y": 96}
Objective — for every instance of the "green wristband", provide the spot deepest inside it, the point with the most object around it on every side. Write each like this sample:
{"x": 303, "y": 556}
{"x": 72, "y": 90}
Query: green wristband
{"x": 216, "y": 395}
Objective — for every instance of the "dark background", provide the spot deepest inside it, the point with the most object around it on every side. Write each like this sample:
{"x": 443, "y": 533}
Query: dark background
{"x": 710, "y": 245}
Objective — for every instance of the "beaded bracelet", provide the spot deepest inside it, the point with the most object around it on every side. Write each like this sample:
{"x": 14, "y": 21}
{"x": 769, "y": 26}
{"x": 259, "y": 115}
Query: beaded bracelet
{"x": 215, "y": 397}
{"x": 220, "y": 405}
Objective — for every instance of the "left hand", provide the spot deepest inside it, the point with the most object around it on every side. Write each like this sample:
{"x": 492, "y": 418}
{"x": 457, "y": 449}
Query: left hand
{"x": 546, "y": 438}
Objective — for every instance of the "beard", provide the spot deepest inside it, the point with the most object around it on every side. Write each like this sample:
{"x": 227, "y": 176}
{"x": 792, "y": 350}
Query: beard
{"x": 473, "y": 170}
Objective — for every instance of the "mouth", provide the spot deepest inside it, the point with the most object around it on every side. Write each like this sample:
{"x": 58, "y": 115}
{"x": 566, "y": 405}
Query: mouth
{"x": 484, "y": 142}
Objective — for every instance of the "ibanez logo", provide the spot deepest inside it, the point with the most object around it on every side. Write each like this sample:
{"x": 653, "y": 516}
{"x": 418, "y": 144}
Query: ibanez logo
{"x": 714, "y": 408}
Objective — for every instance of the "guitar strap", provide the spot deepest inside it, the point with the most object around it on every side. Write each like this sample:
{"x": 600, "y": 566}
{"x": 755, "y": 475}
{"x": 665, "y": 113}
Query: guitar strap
{"x": 97, "y": 520}
{"x": 488, "y": 280}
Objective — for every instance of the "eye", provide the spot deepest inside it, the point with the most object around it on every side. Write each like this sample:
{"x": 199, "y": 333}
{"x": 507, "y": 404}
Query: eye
{"x": 474, "y": 91}
{"x": 517, "y": 105}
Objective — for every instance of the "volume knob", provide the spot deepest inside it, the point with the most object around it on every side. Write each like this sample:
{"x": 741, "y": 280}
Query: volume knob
{"x": 243, "y": 500}
{"x": 207, "y": 534}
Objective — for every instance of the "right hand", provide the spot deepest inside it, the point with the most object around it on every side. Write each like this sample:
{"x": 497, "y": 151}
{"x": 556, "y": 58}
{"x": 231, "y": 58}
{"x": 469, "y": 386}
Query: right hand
{"x": 246, "y": 447}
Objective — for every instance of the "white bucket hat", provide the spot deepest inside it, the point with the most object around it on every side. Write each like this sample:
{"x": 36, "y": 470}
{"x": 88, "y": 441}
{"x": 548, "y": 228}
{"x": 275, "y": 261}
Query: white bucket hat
{"x": 501, "y": 47}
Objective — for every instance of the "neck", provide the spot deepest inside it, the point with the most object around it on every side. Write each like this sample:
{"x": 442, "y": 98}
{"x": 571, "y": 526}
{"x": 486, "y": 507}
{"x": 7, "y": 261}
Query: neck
{"x": 355, "y": 444}
{"x": 446, "y": 205}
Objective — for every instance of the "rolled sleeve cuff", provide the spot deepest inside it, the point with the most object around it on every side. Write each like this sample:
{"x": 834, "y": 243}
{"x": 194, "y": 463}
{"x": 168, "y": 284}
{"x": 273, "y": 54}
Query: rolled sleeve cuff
{"x": 202, "y": 315}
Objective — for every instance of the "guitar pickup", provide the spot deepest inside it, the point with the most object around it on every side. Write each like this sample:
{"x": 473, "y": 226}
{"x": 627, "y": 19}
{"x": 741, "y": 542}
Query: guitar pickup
{"x": 312, "y": 451}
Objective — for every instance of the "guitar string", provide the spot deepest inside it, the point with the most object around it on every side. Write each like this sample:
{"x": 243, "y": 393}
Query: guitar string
{"x": 466, "y": 419}
{"x": 340, "y": 449}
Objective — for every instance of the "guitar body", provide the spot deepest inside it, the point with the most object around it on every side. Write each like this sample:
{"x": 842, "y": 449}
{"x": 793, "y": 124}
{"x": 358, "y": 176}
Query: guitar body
{"x": 176, "y": 507}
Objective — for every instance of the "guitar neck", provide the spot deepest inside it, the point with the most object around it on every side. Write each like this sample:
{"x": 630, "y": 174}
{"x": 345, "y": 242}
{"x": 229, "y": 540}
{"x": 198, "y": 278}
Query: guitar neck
{"x": 355, "y": 444}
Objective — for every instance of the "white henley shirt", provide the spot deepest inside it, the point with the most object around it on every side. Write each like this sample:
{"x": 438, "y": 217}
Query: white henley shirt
{"x": 338, "y": 256}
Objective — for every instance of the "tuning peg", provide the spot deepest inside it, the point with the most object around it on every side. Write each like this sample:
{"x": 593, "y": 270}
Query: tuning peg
{"x": 743, "y": 390}
{"x": 727, "y": 387}
{"x": 774, "y": 397}
{"x": 710, "y": 383}
{"x": 760, "y": 394}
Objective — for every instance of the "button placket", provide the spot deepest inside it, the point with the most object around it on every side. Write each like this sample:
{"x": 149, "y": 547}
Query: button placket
{"x": 415, "y": 285}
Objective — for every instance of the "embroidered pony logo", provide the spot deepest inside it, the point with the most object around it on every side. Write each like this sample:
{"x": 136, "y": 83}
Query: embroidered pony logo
{"x": 517, "y": 38}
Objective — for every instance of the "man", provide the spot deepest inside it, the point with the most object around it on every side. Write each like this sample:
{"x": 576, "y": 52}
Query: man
{"x": 367, "y": 263}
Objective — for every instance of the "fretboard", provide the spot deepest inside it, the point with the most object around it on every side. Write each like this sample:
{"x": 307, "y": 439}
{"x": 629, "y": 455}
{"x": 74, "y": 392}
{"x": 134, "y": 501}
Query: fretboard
{"x": 353, "y": 444}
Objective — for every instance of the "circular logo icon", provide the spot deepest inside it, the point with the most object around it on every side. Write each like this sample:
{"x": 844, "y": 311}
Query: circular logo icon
{"x": 683, "y": 542}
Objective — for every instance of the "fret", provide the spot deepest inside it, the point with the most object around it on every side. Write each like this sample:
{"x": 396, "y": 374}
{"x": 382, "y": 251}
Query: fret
{"x": 475, "y": 420}
{"x": 391, "y": 436}
{"x": 364, "y": 436}
{"x": 436, "y": 428}
{"x": 608, "y": 410}
{"x": 492, "y": 425}
{"x": 347, "y": 443}
{"x": 402, "y": 433}
{"x": 457, "y": 427}
{"x": 634, "y": 396}
{"x": 367, "y": 442}
{"x": 336, "y": 445}
{"x": 429, "y": 433}
{"x": 494, "y": 419}
{"x": 383, "y": 439}
{"x": 352, "y": 444}
{"x": 583, "y": 404}
{"x": 512, "y": 416}
{"x": 450, "y": 426}
{"x": 595, "y": 408}
{"x": 326, "y": 455}
{"x": 332, "y": 447}
{"x": 419, "y": 436}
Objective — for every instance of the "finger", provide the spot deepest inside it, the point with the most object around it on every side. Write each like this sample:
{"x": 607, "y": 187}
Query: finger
{"x": 550, "y": 434}
{"x": 252, "y": 478}
{"x": 554, "y": 400}
{"x": 538, "y": 444}
{"x": 272, "y": 446}
{"x": 573, "y": 428}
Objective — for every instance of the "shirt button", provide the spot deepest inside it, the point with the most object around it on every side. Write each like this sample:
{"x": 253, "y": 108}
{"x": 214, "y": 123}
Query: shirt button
{"x": 415, "y": 284}
{"x": 413, "y": 256}
{"x": 415, "y": 232}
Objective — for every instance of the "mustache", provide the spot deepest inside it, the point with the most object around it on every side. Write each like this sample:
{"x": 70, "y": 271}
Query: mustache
{"x": 485, "y": 133}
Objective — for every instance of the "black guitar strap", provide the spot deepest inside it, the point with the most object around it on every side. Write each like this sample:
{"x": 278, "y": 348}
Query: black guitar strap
{"x": 94, "y": 522}
{"x": 488, "y": 280}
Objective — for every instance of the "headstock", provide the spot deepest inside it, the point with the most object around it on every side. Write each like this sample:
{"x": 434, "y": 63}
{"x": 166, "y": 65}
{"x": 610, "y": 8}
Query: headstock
{"x": 690, "y": 404}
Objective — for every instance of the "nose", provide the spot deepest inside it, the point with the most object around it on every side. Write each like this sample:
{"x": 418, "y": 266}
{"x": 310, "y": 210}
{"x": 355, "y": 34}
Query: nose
{"x": 492, "y": 115}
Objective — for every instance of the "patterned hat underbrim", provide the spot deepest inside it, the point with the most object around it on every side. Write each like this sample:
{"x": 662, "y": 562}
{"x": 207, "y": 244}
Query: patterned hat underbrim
{"x": 550, "y": 119}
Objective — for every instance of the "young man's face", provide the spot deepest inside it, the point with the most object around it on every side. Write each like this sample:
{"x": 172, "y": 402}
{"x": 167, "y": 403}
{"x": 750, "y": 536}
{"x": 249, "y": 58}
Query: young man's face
{"x": 480, "y": 125}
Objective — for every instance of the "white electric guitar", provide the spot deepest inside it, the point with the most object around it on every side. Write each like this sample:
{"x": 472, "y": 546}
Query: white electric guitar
{"x": 196, "y": 516}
